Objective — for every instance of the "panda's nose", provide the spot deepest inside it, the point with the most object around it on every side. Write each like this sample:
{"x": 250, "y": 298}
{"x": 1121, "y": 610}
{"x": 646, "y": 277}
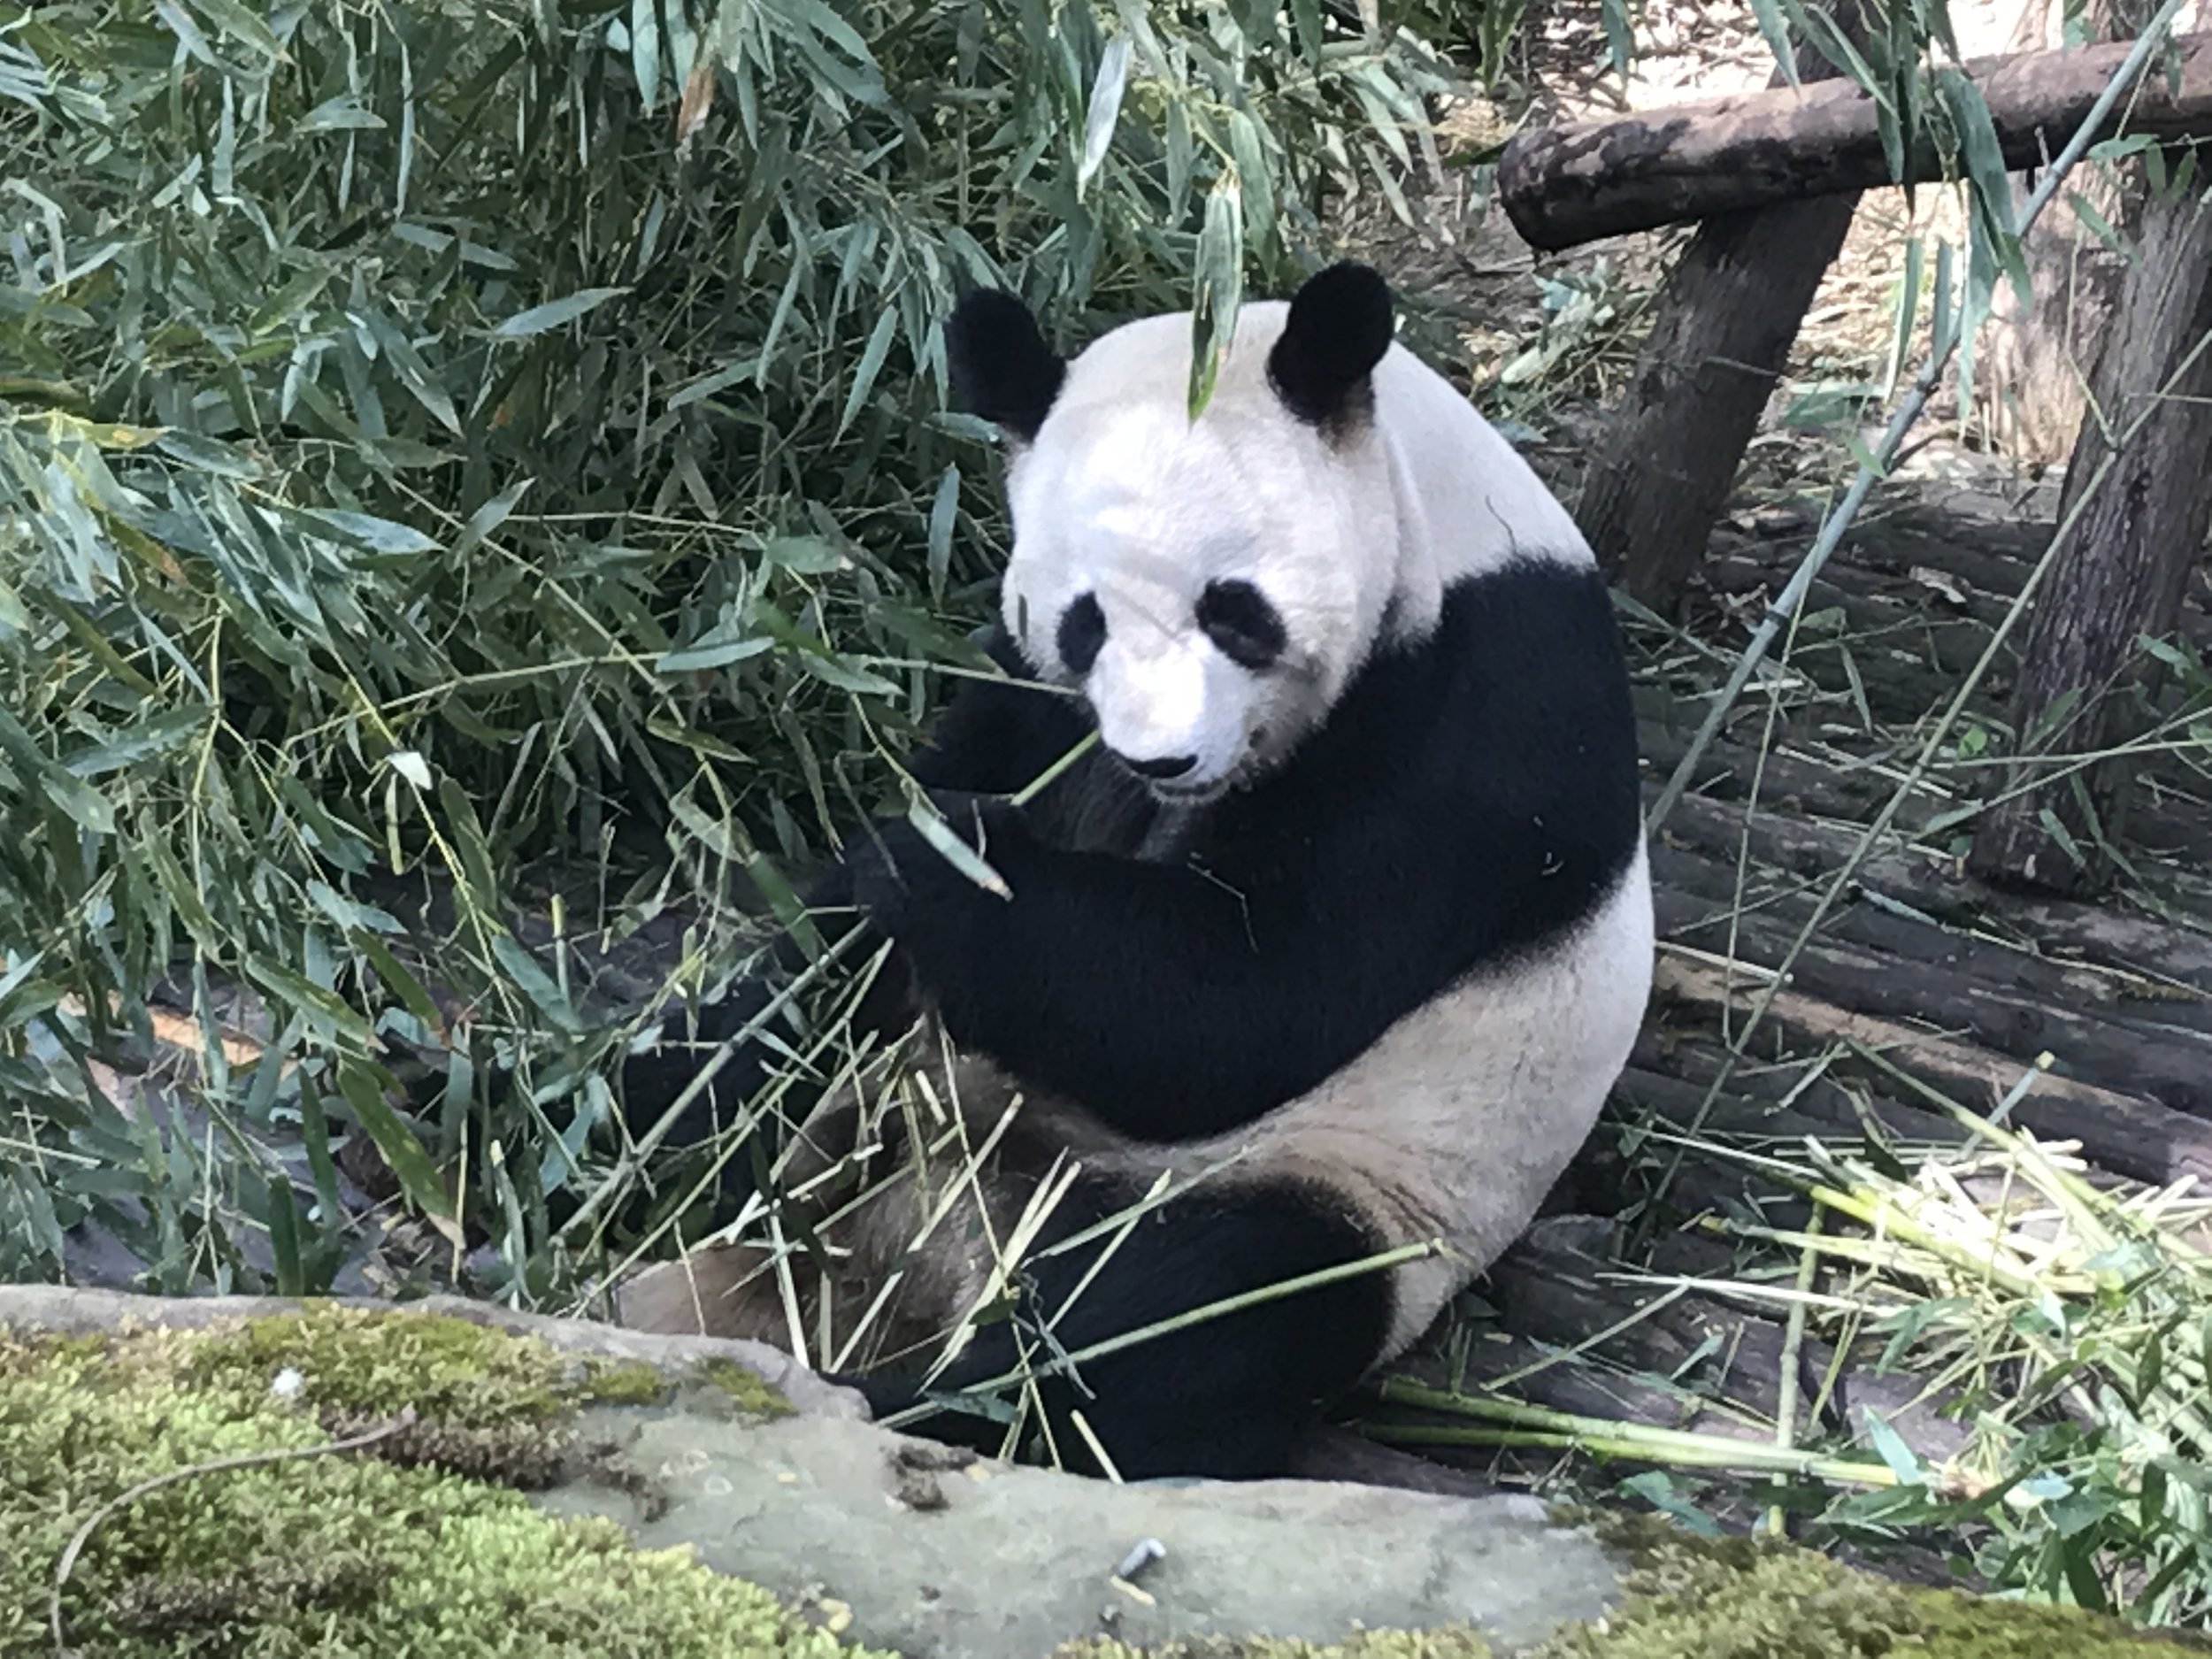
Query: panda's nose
{"x": 1161, "y": 770}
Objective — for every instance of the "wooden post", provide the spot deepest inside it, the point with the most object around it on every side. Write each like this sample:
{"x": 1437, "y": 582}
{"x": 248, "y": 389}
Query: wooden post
{"x": 1725, "y": 320}
{"x": 2125, "y": 570}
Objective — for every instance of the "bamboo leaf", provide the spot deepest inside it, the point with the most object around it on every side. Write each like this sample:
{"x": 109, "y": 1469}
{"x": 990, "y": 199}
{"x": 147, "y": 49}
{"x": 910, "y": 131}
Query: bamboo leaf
{"x": 645, "y": 50}
{"x": 1252, "y": 179}
{"x": 488, "y": 518}
{"x": 1104, "y": 113}
{"x": 535, "y": 983}
{"x": 942, "y": 509}
{"x": 155, "y": 735}
{"x": 846, "y": 678}
{"x": 404, "y": 1154}
{"x": 1776, "y": 32}
{"x": 1620, "y": 35}
{"x": 1180, "y": 159}
{"x": 1890, "y": 1446}
{"x": 539, "y": 318}
{"x": 871, "y": 364}
{"x": 1220, "y": 288}
{"x": 366, "y": 530}
{"x": 956, "y": 852}
{"x": 239, "y": 22}
{"x": 414, "y": 373}
{"x": 718, "y": 648}
{"x": 1990, "y": 183}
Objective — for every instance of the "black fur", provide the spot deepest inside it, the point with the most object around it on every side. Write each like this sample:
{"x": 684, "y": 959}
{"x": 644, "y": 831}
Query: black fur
{"x": 1468, "y": 798}
{"x": 1001, "y": 367}
{"x": 1339, "y": 328}
{"x": 1227, "y": 1398}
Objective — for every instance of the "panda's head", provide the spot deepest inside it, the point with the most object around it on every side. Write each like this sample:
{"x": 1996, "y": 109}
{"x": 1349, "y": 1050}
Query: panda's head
{"x": 1208, "y": 586}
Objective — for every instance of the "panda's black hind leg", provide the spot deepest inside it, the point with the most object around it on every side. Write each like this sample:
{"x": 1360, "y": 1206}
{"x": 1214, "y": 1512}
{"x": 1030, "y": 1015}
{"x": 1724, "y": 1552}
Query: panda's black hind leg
{"x": 1229, "y": 1397}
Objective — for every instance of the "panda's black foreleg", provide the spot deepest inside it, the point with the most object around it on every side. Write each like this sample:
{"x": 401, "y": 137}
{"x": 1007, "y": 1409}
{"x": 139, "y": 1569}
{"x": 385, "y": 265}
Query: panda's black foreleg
{"x": 1228, "y": 1397}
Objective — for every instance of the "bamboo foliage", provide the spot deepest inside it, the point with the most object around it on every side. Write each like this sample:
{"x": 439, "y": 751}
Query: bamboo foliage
{"x": 439, "y": 434}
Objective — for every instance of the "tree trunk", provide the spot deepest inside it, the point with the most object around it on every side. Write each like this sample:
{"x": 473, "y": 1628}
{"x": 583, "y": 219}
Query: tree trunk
{"x": 1581, "y": 180}
{"x": 2124, "y": 572}
{"x": 1726, "y": 317}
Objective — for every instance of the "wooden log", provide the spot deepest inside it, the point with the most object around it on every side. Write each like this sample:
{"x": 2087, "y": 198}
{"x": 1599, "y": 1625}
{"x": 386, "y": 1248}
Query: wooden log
{"x": 2110, "y": 1025}
{"x": 2059, "y": 930}
{"x": 1580, "y": 181}
{"x": 1794, "y": 780}
{"x": 2144, "y": 1139}
{"x": 2124, "y": 573}
{"x": 1725, "y": 320}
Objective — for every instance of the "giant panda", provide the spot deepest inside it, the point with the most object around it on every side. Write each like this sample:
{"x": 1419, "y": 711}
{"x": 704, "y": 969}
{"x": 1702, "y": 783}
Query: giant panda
{"x": 1331, "y": 943}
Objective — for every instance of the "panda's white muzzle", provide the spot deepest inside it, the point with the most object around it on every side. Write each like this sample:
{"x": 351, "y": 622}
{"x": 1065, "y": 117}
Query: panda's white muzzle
{"x": 1170, "y": 714}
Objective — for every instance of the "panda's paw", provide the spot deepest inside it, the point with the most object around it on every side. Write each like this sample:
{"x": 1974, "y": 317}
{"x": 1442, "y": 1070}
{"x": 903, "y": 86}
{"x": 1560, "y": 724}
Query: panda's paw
{"x": 896, "y": 869}
{"x": 872, "y": 861}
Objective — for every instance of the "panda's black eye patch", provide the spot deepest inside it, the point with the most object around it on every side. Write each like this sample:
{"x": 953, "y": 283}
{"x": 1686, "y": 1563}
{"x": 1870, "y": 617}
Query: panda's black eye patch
{"x": 1243, "y": 627}
{"x": 1082, "y": 634}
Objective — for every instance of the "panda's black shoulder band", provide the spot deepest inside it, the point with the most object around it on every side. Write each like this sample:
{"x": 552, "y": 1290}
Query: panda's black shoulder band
{"x": 1340, "y": 325}
{"x": 1000, "y": 365}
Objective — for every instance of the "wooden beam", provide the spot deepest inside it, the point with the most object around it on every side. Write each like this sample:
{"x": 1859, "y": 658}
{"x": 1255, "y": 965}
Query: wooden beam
{"x": 1576, "y": 182}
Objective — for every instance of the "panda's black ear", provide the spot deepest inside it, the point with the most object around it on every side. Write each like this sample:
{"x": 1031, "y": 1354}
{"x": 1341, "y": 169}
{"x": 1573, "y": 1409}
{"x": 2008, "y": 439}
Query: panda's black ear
{"x": 1001, "y": 367}
{"x": 1340, "y": 325}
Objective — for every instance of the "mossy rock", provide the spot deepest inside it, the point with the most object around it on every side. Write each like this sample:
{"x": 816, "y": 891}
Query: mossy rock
{"x": 420, "y": 1541}
{"x": 1692, "y": 1598}
{"x": 191, "y": 1481}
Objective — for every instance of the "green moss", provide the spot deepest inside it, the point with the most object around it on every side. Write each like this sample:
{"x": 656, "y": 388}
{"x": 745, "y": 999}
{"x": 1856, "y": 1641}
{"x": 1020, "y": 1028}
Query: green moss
{"x": 370, "y": 1362}
{"x": 380, "y": 1552}
{"x": 1686, "y": 1597}
{"x": 1784, "y": 1601}
{"x": 1741, "y": 1598}
{"x": 752, "y": 1392}
{"x": 629, "y": 1382}
{"x": 1976, "y": 1628}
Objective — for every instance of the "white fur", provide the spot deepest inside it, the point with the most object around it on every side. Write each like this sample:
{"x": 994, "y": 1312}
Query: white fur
{"x": 1123, "y": 495}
